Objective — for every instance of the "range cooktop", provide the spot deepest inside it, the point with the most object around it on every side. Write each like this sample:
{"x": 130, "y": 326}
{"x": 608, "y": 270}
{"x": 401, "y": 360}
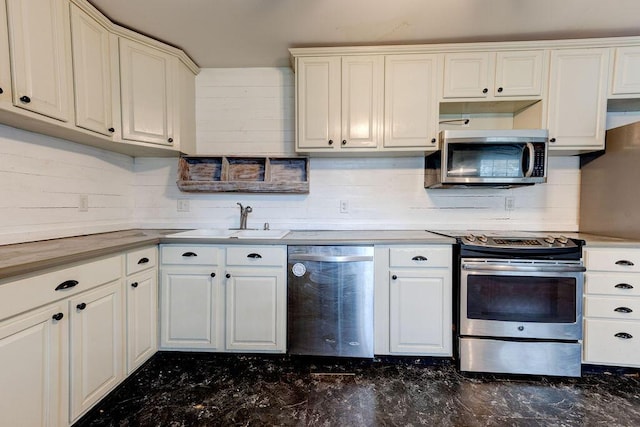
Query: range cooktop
{"x": 521, "y": 240}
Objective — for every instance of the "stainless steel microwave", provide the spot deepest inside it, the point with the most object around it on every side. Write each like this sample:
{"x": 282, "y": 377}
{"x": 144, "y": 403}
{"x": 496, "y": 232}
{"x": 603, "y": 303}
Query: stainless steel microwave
{"x": 497, "y": 158}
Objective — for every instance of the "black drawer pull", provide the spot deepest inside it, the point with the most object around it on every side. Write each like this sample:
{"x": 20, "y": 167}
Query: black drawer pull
{"x": 623, "y": 335}
{"x": 81, "y": 306}
{"x": 419, "y": 258}
{"x": 624, "y": 286}
{"x": 57, "y": 316}
{"x": 625, "y": 262}
{"x": 189, "y": 254}
{"x": 623, "y": 310}
{"x": 134, "y": 285}
{"x": 66, "y": 285}
{"x": 254, "y": 256}
{"x": 143, "y": 260}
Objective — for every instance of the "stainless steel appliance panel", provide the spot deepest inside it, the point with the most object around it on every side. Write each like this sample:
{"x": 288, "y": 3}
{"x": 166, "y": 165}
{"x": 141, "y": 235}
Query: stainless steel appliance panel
{"x": 330, "y": 300}
{"x": 519, "y": 357}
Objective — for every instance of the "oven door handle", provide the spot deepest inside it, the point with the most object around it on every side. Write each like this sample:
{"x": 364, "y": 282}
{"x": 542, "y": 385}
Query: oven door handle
{"x": 525, "y": 268}
{"x": 330, "y": 258}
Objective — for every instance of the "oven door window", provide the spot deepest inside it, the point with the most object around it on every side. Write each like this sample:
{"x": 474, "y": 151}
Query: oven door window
{"x": 521, "y": 298}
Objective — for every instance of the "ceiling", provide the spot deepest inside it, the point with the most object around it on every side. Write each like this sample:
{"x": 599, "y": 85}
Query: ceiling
{"x": 257, "y": 33}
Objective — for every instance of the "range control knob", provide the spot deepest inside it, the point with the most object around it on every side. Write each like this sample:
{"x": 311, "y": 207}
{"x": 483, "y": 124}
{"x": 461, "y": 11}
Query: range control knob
{"x": 562, "y": 240}
{"x": 550, "y": 240}
{"x": 483, "y": 238}
{"x": 470, "y": 238}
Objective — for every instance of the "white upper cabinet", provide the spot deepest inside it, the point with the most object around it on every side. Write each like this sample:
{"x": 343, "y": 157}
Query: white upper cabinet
{"x": 577, "y": 100}
{"x": 146, "y": 79}
{"x": 411, "y": 101}
{"x": 339, "y": 103}
{"x": 626, "y": 72}
{"x": 91, "y": 73}
{"x": 40, "y": 56}
{"x": 489, "y": 74}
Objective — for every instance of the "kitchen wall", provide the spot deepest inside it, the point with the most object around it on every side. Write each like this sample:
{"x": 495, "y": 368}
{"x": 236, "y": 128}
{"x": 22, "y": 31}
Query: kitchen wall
{"x": 41, "y": 182}
{"x": 252, "y": 111}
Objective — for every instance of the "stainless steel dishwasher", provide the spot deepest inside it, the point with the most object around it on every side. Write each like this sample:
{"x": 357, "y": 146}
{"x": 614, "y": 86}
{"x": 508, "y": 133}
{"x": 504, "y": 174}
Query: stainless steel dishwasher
{"x": 330, "y": 300}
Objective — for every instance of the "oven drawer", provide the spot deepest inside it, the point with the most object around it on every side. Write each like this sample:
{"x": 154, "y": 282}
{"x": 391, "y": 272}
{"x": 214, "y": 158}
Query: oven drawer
{"x": 612, "y": 342}
{"x": 420, "y": 256}
{"x": 616, "y": 284}
{"x": 612, "y": 259}
{"x": 612, "y": 308}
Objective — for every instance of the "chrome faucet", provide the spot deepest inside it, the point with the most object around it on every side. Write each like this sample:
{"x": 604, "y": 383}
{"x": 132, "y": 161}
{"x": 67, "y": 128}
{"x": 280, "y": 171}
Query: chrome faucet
{"x": 244, "y": 212}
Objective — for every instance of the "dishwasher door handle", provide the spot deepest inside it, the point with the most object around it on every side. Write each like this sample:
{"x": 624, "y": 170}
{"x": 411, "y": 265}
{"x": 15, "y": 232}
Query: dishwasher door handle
{"x": 330, "y": 258}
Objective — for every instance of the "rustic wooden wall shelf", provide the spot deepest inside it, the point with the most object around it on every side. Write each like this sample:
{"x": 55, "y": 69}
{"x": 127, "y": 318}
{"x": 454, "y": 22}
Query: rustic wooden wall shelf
{"x": 255, "y": 174}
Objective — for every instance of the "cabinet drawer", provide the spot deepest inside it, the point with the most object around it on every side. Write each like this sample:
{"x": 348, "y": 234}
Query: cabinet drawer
{"x": 602, "y": 346}
{"x": 612, "y": 308}
{"x": 612, "y": 259}
{"x": 424, "y": 256}
{"x": 257, "y": 255}
{"x": 24, "y": 294}
{"x": 190, "y": 254}
{"x": 615, "y": 284}
{"x": 141, "y": 259}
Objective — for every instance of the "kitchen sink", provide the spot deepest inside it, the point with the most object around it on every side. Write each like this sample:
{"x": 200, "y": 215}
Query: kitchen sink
{"x": 260, "y": 234}
{"x": 204, "y": 233}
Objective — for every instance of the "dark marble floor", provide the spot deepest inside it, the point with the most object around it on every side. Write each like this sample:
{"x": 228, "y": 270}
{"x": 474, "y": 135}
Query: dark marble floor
{"x": 184, "y": 389}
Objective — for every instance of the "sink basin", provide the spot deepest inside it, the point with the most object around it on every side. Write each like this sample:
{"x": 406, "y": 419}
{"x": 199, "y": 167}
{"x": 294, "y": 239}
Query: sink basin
{"x": 260, "y": 234}
{"x": 204, "y": 233}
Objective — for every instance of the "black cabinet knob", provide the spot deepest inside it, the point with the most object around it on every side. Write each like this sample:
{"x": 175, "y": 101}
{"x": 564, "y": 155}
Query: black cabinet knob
{"x": 1, "y": 91}
{"x": 552, "y": 140}
{"x": 228, "y": 276}
{"x": 81, "y": 306}
{"x": 170, "y": 139}
{"x": 433, "y": 140}
{"x": 112, "y": 130}
{"x": 331, "y": 142}
{"x": 344, "y": 142}
{"x": 134, "y": 285}
{"x": 485, "y": 90}
{"x": 394, "y": 277}
{"x": 25, "y": 99}
{"x": 57, "y": 316}
{"x": 499, "y": 89}
{"x": 213, "y": 274}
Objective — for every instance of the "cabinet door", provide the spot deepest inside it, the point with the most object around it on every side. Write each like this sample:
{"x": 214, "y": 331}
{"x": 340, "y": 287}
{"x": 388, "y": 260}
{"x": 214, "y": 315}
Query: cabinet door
{"x": 256, "y": 310}
{"x": 466, "y": 75}
{"x": 577, "y": 98}
{"x": 142, "y": 318}
{"x": 91, "y": 73}
{"x": 38, "y": 34}
{"x": 191, "y": 309}
{"x": 420, "y": 312}
{"x": 147, "y": 93}
{"x": 96, "y": 350}
{"x": 519, "y": 73}
{"x": 626, "y": 71}
{"x": 32, "y": 368}
{"x": 411, "y": 102}
{"x": 362, "y": 80}
{"x": 318, "y": 102}
{"x": 5, "y": 61}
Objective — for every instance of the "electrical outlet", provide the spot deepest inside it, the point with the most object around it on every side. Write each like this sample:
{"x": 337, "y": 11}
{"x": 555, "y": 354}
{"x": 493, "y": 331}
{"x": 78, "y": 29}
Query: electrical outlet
{"x": 83, "y": 203}
{"x": 183, "y": 205}
{"x": 509, "y": 203}
{"x": 344, "y": 206}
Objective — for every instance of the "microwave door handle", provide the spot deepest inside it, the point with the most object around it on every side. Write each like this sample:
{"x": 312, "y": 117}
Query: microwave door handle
{"x": 529, "y": 148}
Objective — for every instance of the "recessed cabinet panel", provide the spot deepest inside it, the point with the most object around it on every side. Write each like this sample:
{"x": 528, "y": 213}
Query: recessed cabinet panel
{"x": 361, "y": 101}
{"x": 519, "y": 73}
{"x": 91, "y": 73}
{"x": 147, "y": 93}
{"x": 626, "y": 71}
{"x": 142, "y": 318}
{"x": 410, "y": 96}
{"x": 38, "y": 34}
{"x": 466, "y": 75}
{"x": 5, "y": 61}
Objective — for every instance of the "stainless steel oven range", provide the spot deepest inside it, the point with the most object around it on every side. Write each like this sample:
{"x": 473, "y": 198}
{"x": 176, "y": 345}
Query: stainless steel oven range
{"x": 520, "y": 304}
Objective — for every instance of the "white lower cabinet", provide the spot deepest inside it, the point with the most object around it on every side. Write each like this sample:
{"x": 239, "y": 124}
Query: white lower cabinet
{"x": 413, "y": 300}
{"x": 612, "y": 306}
{"x": 223, "y": 298}
{"x": 32, "y": 368}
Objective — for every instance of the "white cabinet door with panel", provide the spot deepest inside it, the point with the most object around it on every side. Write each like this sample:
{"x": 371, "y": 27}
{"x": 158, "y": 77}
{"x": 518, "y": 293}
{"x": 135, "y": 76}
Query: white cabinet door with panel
{"x": 519, "y": 73}
{"x": 5, "y": 59}
{"x": 40, "y": 56}
{"x": 626, "y": 72}
{"x": 32, "y": 376}
{"x": 466, "y": 75}
{"x": 577, "y": 99}
{"x": 146, "y": 80}
{"x": 411, "y": 101}
{"x": 96, "y": 345}
{"x": 92, "y": 79}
